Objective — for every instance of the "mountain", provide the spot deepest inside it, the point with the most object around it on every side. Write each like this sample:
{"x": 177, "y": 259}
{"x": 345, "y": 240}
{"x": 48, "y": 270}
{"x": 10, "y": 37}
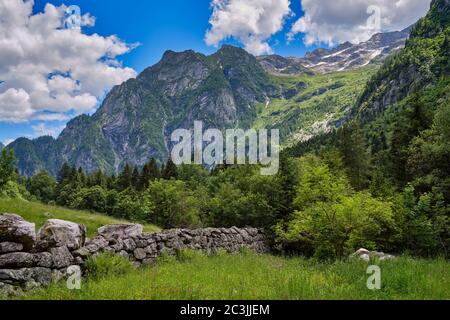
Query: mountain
{"x": 136, "y": 119}
{"x": 230, "y": 88}
{"x": 344, "y": 57}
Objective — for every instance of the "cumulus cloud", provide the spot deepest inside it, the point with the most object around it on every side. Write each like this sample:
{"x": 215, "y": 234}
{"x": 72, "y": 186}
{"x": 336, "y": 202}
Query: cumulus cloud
{"x": 251, "y": 22}
{"x": 42, "y": 129}
{"x": 48, "y": 70}
{"x": 337, "y": 21}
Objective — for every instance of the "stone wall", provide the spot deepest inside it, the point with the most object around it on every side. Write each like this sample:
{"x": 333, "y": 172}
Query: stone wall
{"x": 29, "y": 260}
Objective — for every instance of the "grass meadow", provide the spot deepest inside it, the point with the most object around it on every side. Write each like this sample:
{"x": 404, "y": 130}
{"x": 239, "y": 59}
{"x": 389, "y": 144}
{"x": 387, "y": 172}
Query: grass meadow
{"x": 246, "y": 276}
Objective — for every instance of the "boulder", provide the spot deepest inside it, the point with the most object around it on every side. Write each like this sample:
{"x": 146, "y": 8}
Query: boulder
{"x": 366, "y": 255}
{"x": 140, "y": 254}
{"x": 14, "y": 228}
{"x": 18, "y": 260}
{"x": 25, "y": 275}
{"x": 8, "y": 247}
{"x": 120, "y": 231}
{"x": 62, "y": 258}
{"x": 129, "y": 245}
{"x": 59, "y": 233}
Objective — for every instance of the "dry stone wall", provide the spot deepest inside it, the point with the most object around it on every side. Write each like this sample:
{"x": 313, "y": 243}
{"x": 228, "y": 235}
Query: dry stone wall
{"x": 30, "y": 260}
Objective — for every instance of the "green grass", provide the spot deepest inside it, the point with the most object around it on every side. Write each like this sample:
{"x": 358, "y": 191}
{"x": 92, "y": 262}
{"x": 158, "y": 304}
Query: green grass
{"x": 39, "y": 213}
{"x": 325, "y": 98}
{"x": 248, "y": 276}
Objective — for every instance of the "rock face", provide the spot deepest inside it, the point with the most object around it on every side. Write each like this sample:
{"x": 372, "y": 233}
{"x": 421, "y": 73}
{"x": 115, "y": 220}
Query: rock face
{"x": 14, "y": 228}
{"x": 61, "y": 247}
{"x": 57, "y": 233}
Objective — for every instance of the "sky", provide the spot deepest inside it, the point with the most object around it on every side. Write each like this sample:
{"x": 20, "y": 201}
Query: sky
{"x": 56, "y": 62}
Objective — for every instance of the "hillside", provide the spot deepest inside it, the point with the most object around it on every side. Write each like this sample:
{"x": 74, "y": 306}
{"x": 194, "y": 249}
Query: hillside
{"x": 400, "y": 124}
{"x": 39, "y": 213}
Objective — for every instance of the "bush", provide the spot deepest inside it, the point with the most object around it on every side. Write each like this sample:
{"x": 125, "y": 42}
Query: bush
{"x": 108, "y": 265}
{"x": 131, "y": 205}
{"x": 42, "y": 186}
{"x": 332, "y": 220}
{"x": 175, "y": 206}
{"x": 93, "y": 199}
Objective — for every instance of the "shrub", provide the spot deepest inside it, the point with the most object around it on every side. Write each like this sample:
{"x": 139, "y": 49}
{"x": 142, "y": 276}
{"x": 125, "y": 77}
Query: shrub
{"x": 175, "y": 206}
{"x": 108, "y": 265}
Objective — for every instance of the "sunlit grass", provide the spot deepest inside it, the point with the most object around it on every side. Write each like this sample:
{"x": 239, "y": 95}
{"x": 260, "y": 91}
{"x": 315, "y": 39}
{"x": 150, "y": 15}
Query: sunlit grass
{"x": 39, "y": 213}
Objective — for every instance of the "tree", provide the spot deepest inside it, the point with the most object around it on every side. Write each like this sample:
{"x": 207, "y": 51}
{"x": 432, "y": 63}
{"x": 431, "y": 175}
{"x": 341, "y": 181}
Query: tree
{"x": 63, "y": 173}
{"x": 355, "y": 156}
{"x": 332, "y": 220}
{"x": 7, "y": 166}
{"x": 42, "y": 186}
{"x": 170, "y": 170}
{"x": 135, "y": 178}
{"x": 175, "y": 206}
{"x": 94, "y": 199}
{"x": 149, "y": 173}
{"x": 133, "y": 206}
{"x": 124, "y": 181}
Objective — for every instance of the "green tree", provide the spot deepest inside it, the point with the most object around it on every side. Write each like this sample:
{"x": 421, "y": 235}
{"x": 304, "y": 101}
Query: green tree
{"x": 175, "y": 206}
{"x": 125, "y": 178}
{"x": 169, "y": 171}
{"x": 7, "y": 167}
{"x": 42, "y": 186}
{"x": 135, "y": 178}
{"x": 149, "y": 173}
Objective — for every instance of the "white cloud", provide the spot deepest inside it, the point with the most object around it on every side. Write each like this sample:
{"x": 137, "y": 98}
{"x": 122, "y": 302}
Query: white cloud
{"x": 251, "y": 22}
{"x": 337, "y": 21}
{"x": 42, "y": 129}
{"x": 15, "y": 105}
{"x": 47, "y": 70}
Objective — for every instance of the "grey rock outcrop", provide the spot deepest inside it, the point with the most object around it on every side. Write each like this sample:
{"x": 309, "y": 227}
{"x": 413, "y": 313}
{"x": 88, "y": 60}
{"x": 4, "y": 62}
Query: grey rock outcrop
{"x": 14, "y": 228}
{"x": 57, "y": 233}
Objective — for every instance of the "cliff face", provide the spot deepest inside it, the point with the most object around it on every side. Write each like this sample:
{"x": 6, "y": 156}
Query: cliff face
{"x": 423, "y": 62}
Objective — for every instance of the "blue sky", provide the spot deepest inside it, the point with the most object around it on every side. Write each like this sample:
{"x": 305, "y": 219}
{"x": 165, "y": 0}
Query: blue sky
{"x": 158, "y": 26}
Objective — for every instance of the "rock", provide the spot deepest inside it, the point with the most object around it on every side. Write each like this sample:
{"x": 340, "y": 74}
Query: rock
{"x": 360, "y": 252}
{"x": 121, "y": 231}
{"x": 22, "y": 276}
{"x": 14, "y": 228}
{"x": 83, "y": 253}
{"x": 140, "y": 254}
{"x": 8, "y": 290}
{"x": 58, "y": 233}
{"x": 129, "y": 245}
{"x": 61, "y": 257}
{"x": 97, "y": 244}
{"x": 44, "y": 259}
{"x": 365, "y": 257}
{"x": 8, "y": 247}
{"x": 17, "y": 260}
